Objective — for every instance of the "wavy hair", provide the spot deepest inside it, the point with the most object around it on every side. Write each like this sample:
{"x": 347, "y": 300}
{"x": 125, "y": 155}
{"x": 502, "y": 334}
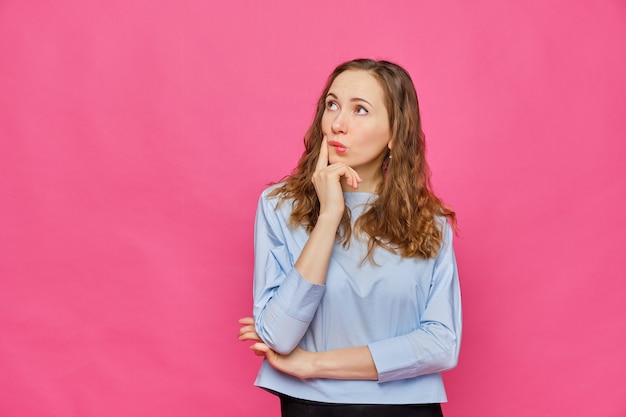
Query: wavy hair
{"x": 403, "y": 219}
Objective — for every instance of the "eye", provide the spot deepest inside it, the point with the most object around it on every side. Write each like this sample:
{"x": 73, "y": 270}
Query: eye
{"x": 361, "y": 110}
{"x": 331, "y": 105}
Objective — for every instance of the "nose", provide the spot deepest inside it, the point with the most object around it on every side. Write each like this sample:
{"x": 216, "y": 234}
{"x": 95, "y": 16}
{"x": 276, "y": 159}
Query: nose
{"x": 340, "y": 124}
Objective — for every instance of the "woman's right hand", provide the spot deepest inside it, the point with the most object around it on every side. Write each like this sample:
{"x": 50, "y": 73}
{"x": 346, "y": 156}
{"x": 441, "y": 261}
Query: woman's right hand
{"x": 313, "y": 261}
{"x": 327, "y": 182}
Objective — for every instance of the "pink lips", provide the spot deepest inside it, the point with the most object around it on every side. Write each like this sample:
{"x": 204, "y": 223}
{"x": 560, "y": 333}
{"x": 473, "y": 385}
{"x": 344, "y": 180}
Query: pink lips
{"x": 339, "y": 147}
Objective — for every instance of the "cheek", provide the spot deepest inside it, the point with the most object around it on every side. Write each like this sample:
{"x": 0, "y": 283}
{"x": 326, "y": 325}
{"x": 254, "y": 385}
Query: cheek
{"x": 376, "y": 137}
{"x": 383, "y": 135}
{"x": 325, "y": 123}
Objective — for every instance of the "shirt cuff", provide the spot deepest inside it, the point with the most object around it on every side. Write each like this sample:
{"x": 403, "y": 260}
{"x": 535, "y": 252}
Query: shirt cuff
{"x": 394, "y": 358}
{"x": 299, "y": 298}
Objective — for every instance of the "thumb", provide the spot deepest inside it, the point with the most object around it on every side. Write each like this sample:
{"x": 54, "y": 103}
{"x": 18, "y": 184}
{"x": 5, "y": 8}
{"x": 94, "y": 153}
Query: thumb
{"x": 260, "y": 348}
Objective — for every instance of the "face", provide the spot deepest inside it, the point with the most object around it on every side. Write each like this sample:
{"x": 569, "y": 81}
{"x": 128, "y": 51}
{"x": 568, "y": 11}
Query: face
{"x": 356, "y": 122}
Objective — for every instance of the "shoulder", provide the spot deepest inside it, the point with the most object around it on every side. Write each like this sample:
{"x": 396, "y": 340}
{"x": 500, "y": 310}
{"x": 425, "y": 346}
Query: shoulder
{"x": 443, "y": 223}
{"x": 447, "y": 231}
{"x": 272, "y": 200}
{"x": 270, "y": 192}
{"x": 271, "y": 197}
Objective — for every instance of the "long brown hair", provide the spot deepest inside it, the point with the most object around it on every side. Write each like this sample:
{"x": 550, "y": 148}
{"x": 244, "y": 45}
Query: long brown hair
{"x": 403, "y": 219}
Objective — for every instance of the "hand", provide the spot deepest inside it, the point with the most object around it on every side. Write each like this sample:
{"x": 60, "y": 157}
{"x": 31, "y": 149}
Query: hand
{"x": 247, "y": 330}
{"x": 298, "y": 363}
{"x": 294, "y": 363}
{"x": 327, "y": 182}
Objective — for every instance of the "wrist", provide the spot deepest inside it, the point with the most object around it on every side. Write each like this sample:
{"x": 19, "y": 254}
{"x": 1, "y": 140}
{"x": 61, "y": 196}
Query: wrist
{"x": 332, "y": 218}
{"x": 305, "y": 367}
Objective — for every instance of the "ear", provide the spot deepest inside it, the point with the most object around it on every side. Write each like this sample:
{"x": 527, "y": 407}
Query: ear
{"x": 390, "y": 144}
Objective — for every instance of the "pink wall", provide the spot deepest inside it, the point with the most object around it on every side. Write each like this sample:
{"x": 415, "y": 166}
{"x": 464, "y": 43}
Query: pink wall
{"x": 135, "y": 137}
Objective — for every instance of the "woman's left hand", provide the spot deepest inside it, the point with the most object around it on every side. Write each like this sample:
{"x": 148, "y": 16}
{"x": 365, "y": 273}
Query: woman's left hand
{"x": 247, "y": 330}
{"x": 298, "y": 363}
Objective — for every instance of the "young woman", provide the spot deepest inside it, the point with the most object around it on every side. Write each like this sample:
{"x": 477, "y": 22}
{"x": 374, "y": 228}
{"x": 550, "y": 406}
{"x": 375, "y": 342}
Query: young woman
{"x": 357, "y": 304}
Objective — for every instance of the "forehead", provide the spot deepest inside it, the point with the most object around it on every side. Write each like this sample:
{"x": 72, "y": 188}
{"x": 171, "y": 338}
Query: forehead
{"x": 359, "y": 84}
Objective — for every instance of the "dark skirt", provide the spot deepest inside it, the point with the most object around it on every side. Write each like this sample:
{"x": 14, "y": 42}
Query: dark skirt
{"x": 294, "y": 407}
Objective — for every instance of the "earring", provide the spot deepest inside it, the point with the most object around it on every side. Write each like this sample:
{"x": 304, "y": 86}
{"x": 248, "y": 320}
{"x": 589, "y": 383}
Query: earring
{"x": 386, "y": 163}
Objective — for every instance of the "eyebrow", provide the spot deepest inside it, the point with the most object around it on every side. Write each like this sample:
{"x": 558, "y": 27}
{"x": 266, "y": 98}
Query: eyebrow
{"x": 352, "y": 99}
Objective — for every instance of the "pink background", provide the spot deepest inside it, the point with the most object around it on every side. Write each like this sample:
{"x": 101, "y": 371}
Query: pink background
{"x": 137, "y": 135}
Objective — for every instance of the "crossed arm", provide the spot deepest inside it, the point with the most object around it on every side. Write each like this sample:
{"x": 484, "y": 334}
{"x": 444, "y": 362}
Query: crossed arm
{"x": 350, "y": 363}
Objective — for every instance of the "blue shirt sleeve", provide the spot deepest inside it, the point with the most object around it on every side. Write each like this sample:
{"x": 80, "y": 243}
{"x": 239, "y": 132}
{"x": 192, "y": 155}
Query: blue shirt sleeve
{"x": 434, "y": 346}
{"x": 284, "y": 302}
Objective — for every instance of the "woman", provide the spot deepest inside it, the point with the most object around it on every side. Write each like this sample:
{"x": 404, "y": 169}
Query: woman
{"x": 356, "y": 296}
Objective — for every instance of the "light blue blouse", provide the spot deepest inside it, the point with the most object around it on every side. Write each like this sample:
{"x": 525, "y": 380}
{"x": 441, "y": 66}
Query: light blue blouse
{"x": 406, "y": 310}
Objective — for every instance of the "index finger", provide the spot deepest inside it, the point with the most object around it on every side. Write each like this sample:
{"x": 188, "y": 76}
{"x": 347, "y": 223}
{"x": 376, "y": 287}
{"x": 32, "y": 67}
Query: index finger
{"x": 322, "y": 159}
